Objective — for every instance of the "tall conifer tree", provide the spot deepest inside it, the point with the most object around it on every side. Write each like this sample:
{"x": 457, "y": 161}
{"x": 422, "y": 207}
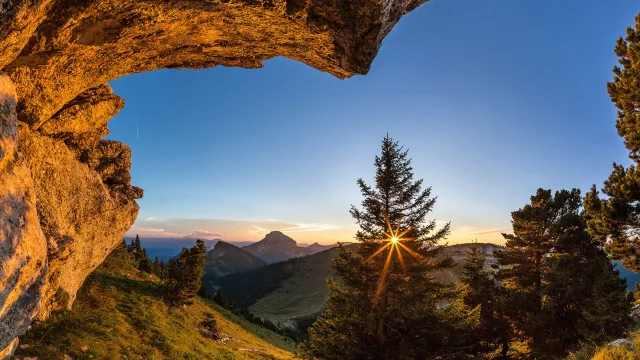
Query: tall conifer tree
{"x": 561, "y": 287}
{"x": 136, "y": 248}
{"x": 391, "y": 306}
{"x": 481, "y": 291}
{"x": 184, "y": 275}
{"x": 615, "y": 220}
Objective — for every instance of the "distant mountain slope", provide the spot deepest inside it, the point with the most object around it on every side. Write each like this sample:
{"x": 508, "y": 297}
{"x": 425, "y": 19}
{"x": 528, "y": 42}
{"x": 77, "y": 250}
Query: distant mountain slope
{"x": 167, "y": 248}
{"x": 458, "y": 253}
{"x": 277, "y": 246}
{"x": 227, "y": 259}
{"x": 282, "y": 291}
{"x": 316, "y": 248}
{"x": 120, "y": 314}
{"x": 304, "y": 293}
{"x": 296, "y": 289}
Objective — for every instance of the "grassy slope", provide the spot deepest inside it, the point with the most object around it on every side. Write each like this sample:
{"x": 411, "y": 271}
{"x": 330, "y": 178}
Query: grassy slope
{"x": 624, "y": 352}
{"x": 119, "y": 314}
{"x": 301, "y": 295}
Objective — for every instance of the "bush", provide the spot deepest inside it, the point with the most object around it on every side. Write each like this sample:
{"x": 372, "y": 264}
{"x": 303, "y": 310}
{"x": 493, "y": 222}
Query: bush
{"x": 209, "y": 328}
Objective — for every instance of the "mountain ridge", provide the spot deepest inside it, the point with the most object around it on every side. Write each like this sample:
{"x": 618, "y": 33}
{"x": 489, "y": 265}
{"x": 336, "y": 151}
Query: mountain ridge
{"x": 226, "y": 258}
{"x": 276, "y": 246}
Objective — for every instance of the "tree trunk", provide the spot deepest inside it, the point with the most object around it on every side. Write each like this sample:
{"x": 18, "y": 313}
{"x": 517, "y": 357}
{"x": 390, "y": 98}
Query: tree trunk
{"x": 380, "y": 338}
{"x": 505, "y": 347}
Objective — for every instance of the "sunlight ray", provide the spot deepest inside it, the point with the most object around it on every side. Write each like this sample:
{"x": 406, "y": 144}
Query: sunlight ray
{"x": 383, "y": 278}
{"x": 386, "y": 218}
{"x": 405, "y": 232}
{"x": 401, "y": 259}
{"x": 378, "y": 251}
{"x": 415, "y": 254}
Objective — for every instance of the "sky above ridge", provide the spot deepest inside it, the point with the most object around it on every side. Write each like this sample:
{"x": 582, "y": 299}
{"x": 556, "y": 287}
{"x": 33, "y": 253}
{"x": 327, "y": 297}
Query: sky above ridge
{"x": 493, "y": 99}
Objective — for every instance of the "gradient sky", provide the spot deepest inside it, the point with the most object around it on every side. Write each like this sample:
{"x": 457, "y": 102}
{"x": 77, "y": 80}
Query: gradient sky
{"x": 494, "y": 99}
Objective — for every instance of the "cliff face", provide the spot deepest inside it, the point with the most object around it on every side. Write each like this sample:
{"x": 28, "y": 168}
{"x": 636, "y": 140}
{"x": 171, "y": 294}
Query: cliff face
{"x": 65, "y": 195}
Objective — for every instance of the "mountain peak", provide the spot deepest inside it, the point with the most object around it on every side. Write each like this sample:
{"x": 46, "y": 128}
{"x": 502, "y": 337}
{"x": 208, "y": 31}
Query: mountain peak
{"x": 277, "y": 246}
{"x": 278, "y": 237}
{"x": 226, "y": 258}
{"x": 221, "y": 244}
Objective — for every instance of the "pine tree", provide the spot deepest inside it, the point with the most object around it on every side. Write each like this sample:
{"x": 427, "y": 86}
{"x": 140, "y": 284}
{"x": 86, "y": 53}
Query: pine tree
{"x": 174, "y": 281}
{"x": 144, "y": 263}
{"x": 136, "y": 249}
{"x": 636, "y": 292}
{"x": 391, "y": 306}
{"x": 474, "y": 276}
{"x": 220, "y": 299}
{"x": 615, "y": 221}
{"x": 482, "y": 292}
{"x": 137, "y": 244}
{"x": 121, "y": 253}
{"x": 184, "y": 274}
{"x": 561, "y": 288}
{"x": 195, "y": 265}
{"x": 157, "y": 268}
{"x": 163, "y": 270}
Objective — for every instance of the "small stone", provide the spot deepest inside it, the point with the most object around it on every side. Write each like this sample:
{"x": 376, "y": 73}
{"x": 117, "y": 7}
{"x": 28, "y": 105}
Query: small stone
{"x": 620, "y": 342}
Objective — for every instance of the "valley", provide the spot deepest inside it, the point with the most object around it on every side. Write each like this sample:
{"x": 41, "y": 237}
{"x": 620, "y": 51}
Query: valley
{"x": 293, "y": 292}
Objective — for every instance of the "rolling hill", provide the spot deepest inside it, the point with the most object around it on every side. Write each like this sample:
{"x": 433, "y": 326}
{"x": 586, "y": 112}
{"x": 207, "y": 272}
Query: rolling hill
{"x": 120, "y": 314}
{"x": 227, "y": 259}
{"x": 282, "y": 291}
{"x": 303, "y": 294}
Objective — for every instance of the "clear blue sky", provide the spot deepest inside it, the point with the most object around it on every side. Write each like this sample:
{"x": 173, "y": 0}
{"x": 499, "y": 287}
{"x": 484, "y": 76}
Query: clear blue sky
{"x": 494, "y": 99}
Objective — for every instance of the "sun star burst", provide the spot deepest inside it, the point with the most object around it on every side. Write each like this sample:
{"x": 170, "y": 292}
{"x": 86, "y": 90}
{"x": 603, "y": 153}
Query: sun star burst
{"x": 393, "y": 241}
